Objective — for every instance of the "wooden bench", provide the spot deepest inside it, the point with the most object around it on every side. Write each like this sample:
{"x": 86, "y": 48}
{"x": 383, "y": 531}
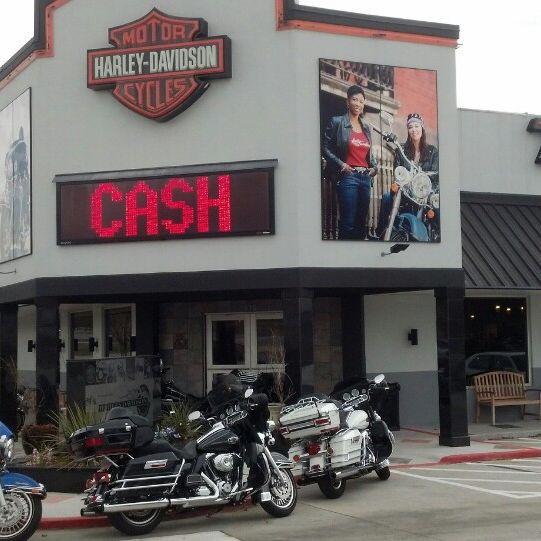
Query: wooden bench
{"x": 503, "y": 389}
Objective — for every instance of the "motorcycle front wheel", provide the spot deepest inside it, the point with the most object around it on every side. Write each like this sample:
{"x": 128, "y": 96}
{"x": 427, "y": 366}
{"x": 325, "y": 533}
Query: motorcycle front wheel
{"x": 20, "y": 517}
{"x": 332, "y": 488}
{"x": 136, "y": 522}
{"x": 399, "y": 235}
{"x": 283, "y": 495}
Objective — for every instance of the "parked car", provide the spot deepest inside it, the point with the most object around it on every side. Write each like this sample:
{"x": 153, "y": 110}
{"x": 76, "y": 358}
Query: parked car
{"x": 490, "y": 361}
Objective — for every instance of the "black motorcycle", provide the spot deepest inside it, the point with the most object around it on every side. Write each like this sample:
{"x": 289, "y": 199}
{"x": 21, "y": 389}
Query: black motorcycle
{"x": 171, "y": 395}
{"x": 142, "y": 477}
{"x": 22, "y": 408}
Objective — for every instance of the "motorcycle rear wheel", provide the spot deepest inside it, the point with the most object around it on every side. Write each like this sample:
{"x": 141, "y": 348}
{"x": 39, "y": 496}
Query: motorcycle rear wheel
{"x": 332, "y": 488}
{"x": 384, "y": 473}
{"x": 283, "y": 497}
{"x": 137, "y": 522}
{"x": 19, "y": 519}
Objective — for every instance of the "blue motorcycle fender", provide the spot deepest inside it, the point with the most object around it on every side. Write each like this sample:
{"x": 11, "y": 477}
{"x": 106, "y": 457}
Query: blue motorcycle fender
{"x": 417, "y": 228}
{"x": 18, "y": 481}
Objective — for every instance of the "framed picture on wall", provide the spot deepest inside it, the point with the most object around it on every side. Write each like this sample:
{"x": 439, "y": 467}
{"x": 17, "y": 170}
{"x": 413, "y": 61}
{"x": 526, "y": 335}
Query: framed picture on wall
{"x": 379, "y": 152}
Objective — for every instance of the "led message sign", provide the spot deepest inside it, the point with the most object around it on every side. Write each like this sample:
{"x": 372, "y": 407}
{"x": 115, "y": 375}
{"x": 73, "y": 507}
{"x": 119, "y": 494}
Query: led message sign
{"x": 135, "y": 209}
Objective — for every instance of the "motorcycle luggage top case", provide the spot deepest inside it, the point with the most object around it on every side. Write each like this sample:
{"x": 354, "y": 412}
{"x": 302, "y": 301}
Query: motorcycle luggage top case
{"x": 110, "y": 437}
{"x": 309, "y": 419}
{"x": 346, "y": 448}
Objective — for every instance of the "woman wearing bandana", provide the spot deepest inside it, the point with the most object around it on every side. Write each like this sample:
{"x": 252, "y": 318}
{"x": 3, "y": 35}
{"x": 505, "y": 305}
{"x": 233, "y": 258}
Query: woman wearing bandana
{"x": 418, "y": 151}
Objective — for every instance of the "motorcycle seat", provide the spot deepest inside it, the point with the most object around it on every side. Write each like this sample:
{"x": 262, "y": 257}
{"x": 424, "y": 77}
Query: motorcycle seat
{"x": 188, "y": 452}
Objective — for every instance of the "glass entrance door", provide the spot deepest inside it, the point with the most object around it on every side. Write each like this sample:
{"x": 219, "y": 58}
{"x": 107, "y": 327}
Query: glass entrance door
{"x": 251, "y": 342}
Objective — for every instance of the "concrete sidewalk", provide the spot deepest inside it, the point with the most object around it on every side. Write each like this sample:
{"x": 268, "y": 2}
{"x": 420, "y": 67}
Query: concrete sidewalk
{"x": 413, "y": 446}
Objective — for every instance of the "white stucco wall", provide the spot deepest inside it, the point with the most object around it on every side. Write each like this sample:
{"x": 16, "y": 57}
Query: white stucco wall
{"x": 497, "y": 154}
{"x": 269, "y": 109}
{"x": 388, "y": 321}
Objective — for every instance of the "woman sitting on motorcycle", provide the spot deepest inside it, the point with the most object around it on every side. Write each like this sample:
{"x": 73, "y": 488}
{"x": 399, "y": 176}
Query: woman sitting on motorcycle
{"x": 419, "y": 152}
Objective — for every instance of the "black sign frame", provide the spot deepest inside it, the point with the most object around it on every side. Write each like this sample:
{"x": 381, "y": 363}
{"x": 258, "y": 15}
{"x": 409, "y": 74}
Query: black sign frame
{"x": 265, "y": 167}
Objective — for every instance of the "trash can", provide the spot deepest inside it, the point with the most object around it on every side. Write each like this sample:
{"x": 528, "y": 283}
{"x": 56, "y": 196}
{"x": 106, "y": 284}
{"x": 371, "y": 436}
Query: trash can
{"x": 387, "y": 404}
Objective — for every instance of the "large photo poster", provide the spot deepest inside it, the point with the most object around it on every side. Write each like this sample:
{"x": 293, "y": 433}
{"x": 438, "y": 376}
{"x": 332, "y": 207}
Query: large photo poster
{"x": 379, "y": 152}
{"x": 15, "y": 168}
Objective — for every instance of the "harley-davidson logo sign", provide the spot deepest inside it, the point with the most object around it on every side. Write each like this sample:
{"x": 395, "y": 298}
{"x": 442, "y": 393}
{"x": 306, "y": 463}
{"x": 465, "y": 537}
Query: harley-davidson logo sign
{"x": 160, "y": 64}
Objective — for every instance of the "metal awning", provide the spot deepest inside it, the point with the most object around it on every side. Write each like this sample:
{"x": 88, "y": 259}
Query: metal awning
{"x": 501, "y": 240}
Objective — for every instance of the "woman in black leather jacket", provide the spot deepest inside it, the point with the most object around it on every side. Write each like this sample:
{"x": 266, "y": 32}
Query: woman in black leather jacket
{"x": 347, "y": 148}
{"x": 418, "y": 151}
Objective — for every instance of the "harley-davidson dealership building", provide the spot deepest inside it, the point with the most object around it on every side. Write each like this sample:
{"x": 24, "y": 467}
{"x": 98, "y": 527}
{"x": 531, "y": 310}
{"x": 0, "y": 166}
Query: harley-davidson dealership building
{"x": 193, "y": 180}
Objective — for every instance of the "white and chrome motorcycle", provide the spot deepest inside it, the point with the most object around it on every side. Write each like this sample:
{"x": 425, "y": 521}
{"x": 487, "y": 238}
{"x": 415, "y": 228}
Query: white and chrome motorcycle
{"x": 333, "y": 441}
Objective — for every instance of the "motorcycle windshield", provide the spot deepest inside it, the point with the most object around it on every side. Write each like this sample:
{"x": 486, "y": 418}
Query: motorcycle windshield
{"x": 5, "y": 431}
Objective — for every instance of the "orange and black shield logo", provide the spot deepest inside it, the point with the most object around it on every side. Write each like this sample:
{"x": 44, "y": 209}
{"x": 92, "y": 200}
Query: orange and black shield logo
{"x": 159, "y": 64}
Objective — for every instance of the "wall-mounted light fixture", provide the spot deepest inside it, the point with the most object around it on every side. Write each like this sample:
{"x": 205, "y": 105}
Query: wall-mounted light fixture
{"x": 31, "y": 346}
{"x": 413, "y": 337}
{"x": 92, "y": 344}
{"x": 61, "y": 344}
{"x": 395, "y": 249}
{"x": 133, "y": 343}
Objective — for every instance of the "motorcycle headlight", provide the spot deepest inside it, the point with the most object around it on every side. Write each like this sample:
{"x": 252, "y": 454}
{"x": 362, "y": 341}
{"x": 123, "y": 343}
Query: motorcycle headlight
{"x": 435, "y": 200}
{"x": 401, "y": 174}
{"x": 6, "y": 448}
{"x": 421, "y": 186}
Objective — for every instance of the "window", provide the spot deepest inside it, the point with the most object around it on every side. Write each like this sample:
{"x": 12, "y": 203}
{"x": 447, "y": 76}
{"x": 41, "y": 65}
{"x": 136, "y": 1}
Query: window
{"x": 251, "y": 342}
{"x": 81, "y": 331}
{"x": 118, "y": 332}
{"x": 496, "y": 336}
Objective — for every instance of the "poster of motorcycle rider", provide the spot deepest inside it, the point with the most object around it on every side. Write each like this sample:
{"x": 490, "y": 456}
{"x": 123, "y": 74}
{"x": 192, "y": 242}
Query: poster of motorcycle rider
{"x": 15, "y": 151}
{"x": 379, "y": 152}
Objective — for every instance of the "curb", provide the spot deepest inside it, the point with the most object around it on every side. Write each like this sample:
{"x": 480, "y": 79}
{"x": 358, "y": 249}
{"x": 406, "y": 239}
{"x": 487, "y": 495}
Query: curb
{"x": 476, "y": 457}
{"x": 498, "y": 455}
{"x": 72, "y": 522}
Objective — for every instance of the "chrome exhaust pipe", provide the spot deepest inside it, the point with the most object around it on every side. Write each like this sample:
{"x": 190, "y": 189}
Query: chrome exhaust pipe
{"x": 348, "y": 472}
{"x": 201, "y": 501}
{"x": 196, "y": 501}
{"x": 135, "y": 506}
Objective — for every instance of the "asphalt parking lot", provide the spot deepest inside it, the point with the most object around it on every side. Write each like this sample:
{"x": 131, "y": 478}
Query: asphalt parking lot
{"x": 515, "y": 479}
{"x": 496, "y": 500}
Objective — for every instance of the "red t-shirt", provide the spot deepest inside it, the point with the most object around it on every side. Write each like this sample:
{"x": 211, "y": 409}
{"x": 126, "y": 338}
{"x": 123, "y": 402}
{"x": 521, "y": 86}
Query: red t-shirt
{"x": 358, "y": 149}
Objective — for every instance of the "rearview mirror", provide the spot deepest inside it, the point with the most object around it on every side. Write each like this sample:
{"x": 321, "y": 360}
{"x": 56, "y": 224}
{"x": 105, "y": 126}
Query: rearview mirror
{"x": 379, "y": 378}
{"x": 195, "y": 416}
{"x": 248, "y": 393}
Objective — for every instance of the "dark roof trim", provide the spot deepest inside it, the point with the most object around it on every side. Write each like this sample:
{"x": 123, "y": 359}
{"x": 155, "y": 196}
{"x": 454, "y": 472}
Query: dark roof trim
{"x": 169, "y": 171}
{"x": 500, "y": 198}
{"x": 37, "y": 43}
{"x": 232, "y": 281}
{"x": 293, "y": 11}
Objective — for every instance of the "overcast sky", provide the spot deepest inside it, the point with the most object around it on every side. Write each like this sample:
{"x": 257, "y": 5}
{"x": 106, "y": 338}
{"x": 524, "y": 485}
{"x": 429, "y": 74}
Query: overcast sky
{"x": 498, "y": 65}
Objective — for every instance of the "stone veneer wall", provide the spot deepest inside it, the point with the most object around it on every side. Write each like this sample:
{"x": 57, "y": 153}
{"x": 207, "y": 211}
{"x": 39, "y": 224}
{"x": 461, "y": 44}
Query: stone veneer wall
{"x": 327, "y": 343}
{"x": 182, "y": 338}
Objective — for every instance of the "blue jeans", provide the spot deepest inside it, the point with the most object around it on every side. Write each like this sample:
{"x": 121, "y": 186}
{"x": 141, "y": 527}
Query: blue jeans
{"x": 354, "y": 199}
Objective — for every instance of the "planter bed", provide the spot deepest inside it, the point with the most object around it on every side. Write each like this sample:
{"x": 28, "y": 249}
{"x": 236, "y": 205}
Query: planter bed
{"x": 56, "y": 479}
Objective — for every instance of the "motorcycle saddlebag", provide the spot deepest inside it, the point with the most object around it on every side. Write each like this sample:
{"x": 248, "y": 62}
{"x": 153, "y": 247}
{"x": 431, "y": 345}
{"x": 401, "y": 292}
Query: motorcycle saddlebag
{"x": 108, "y": 438}
{"x": 153, "y": 466}
{"x": 346, "y": 447}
